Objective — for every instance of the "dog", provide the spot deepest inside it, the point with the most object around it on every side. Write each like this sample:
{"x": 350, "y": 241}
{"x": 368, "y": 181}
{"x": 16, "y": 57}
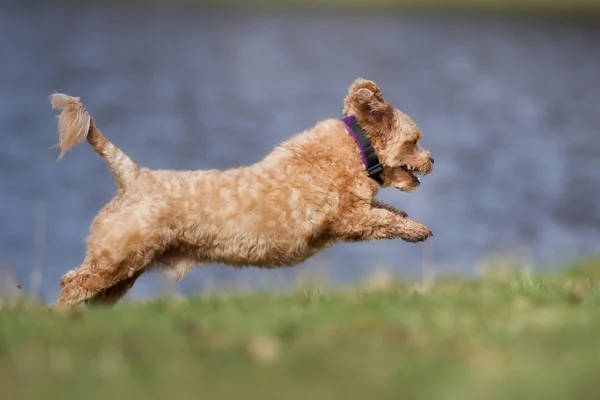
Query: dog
{"x": 312, "y": 191}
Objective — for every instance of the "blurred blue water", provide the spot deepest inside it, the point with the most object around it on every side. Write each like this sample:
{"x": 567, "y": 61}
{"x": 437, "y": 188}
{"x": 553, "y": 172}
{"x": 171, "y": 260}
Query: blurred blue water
{"x": 509, "y": 109}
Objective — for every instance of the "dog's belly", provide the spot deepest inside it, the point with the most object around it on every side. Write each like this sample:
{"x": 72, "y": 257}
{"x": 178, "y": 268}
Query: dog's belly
{"x": 268, "y": 257}
{"x": 267, "y": 254}
{"x": 180, "y": 258}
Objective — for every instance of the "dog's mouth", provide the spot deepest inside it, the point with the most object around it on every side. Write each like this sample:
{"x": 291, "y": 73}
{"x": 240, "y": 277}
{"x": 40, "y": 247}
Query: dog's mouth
{"x": 412, "y": 172}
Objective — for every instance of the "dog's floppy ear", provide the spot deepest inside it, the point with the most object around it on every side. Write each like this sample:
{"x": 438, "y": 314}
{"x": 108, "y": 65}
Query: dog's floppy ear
{"x": 365, "y": 100}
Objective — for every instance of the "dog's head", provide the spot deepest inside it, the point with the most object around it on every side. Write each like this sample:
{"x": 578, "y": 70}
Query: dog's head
{"x": 394, "y": 134}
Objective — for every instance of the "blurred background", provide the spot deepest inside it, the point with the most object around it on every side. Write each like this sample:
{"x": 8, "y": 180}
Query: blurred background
{"x": 506, "y": 93}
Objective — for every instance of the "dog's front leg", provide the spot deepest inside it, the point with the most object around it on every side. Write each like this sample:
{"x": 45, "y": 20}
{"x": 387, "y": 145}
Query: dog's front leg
{"x": 379, "y": 223}
{"x": 379, "y": 204}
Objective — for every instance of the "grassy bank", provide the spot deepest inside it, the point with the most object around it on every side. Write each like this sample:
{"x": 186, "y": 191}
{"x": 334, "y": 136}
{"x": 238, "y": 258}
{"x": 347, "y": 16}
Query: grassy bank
{"x": 504, "y": 336}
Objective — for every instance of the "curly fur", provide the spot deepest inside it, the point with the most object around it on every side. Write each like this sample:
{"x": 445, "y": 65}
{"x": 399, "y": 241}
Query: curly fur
{"x": 307, "y": 194}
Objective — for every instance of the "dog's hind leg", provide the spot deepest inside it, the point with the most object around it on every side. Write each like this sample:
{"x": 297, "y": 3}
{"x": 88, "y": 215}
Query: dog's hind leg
{"x": 112, "y": 270}
{"x": 113, "y": 294}
{"x": 83, "y": 283}
{"x": 98, "y": 283}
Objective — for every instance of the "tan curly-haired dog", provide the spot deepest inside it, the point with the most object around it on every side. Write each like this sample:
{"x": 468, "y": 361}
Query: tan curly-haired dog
{"x": 309, "y": 193}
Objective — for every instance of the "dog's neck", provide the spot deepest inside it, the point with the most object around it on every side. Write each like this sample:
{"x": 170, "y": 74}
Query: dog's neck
{"x": 367, "y": 151}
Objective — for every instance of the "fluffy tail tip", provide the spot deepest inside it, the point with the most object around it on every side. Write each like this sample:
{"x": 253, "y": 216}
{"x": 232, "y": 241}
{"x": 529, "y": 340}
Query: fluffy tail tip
{"x": 60, "y": 101}
{"x": 73, "y": 122}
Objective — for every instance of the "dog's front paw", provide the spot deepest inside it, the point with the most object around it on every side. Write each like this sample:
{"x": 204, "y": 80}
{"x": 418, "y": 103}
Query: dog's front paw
{"x": 417, "y": 232}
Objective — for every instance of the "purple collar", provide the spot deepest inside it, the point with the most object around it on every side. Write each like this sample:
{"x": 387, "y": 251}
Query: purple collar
{"x": 367, "y": 152}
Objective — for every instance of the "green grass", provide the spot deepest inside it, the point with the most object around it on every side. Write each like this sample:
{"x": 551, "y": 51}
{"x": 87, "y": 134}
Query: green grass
{"x": 502, "y": 336}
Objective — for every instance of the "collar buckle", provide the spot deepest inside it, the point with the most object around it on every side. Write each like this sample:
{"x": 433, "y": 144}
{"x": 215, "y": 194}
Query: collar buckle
{"x": 375, "y": 173}
{"x": 375, "y": 170}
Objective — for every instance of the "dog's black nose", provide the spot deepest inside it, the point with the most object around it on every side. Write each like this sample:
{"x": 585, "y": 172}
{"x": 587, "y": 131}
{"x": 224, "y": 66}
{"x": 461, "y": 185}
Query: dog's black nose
{"x": 432, "y": 160}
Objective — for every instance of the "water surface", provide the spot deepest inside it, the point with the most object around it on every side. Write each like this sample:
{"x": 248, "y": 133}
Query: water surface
{"x": 509, "y": 109}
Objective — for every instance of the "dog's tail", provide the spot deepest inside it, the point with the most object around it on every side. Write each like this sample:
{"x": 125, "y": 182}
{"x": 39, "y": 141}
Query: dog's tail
{"x": 76, "y": 124}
